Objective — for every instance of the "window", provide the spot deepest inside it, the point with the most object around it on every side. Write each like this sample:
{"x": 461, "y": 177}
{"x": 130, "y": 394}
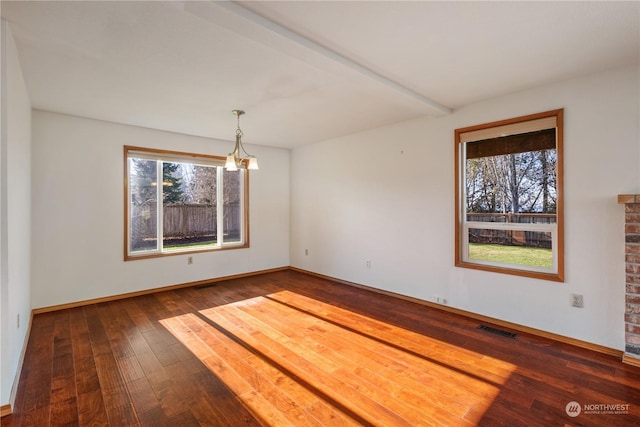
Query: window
{"x": 509, "y": 213}
{"x": 181, "y": 202}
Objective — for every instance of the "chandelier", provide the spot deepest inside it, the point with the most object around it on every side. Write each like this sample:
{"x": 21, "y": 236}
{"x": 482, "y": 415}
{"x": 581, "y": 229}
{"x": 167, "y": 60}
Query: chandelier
{"x": 235, "y": 159}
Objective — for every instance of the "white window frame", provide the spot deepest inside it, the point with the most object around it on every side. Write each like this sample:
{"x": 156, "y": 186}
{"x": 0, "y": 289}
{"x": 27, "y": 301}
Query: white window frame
{"x": 161, "y": 156}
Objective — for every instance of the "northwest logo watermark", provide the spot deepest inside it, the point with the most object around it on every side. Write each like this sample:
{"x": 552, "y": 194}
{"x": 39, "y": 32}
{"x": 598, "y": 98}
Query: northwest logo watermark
{"x": 573, "y": 409}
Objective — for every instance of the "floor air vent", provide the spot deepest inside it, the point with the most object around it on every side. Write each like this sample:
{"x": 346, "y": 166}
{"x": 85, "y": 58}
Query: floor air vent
{"x": 497, "y": 331}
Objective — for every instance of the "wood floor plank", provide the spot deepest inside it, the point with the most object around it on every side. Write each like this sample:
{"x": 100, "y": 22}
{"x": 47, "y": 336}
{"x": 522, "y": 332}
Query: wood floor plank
{"x": 91, "y": 410}
{"x": 363, "y": 370}
{"x": 114, "y": 391}
{"x": 64, "y": 408}
{"x": 278, "y": 409}
{"x": 311, "y": 402}
{"x": 143, "y": 397}
{"x": 209, "y": 358}
{"x": 289, "y": 397}
{"x": 361, "y": 404}
{"x": 37, "y": 374}
{"x": 293, "y": 342}
{"x": 227, "y": 406}
{"x": 375, "y": 357}
{"x": 401, "y": 338}
{"x": 84, "y": 363}
{"x": 286, "y": 348}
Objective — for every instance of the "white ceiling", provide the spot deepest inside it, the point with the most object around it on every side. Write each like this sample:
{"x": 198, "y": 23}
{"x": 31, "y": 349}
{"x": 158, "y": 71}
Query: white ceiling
{"x": 304, "y": 71}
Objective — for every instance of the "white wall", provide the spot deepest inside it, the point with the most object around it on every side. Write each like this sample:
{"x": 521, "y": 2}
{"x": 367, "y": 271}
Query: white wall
{"x": 387, "y": 196}
{"x": 15, "y": 215}
{"x": 78, "y": 212}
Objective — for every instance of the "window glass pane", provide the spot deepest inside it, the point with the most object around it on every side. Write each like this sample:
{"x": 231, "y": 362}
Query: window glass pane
{"x": 143, "y": 205}
{"x": 529, "y": 248}
{"x": 232, "y": 205}
{"x": 189, "y": 206}
{"x": 512, "y": 184}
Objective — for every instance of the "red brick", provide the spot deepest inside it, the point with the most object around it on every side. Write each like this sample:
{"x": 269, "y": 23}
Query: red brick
{"x": 632, "y": 338}
{"x": 632, "y": 299}
{"x": 632, "y": 228}
{"x": 632, "y": 308}
{"x": 630, "y": 248}
{"x": 632, "y": 318}
{"x": 634, "y": 329}
{"x": 632, "y": 268}
{"x": 632, "y": 218}
{"x": 634, "y": 259}
{"x": 631, "y": 279}
{"x": 632, "y": 289}
{"x": 632, "y": 208}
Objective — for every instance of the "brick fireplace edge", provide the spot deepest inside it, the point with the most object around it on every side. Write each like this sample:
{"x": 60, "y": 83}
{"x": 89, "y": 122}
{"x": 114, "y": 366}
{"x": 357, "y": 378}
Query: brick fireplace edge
{"x": 631, "y": 204}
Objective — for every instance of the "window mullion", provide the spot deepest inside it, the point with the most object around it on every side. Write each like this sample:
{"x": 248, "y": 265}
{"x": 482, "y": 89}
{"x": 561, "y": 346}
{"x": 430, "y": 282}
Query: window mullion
{"x": 514, "y": 226}
{"x": 129, "y": 206}
{"x": 160, "y": 206}
{"x": 220, "y": 205}
{"x": 465, "y": 241}
{"x": 462, "y": 189}
{"x": 243, "y": 175}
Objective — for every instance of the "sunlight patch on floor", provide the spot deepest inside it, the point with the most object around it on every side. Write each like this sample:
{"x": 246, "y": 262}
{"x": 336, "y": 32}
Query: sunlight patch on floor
{"x": 294, "y": 360}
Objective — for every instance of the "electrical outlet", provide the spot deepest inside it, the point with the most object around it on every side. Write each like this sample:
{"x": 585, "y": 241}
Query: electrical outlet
{"x": 577, "y": 300}
{"x": 190, "y": 260}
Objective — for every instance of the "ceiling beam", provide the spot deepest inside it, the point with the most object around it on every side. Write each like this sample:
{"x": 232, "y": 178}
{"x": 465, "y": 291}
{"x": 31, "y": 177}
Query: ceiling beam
{"x": 238, "y": 9}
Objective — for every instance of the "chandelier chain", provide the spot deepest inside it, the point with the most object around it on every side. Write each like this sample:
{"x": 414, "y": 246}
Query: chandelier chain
{"x": 238, "y": 130}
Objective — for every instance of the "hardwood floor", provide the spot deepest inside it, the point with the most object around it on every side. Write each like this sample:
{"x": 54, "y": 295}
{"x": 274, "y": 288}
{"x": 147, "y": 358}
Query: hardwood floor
{"x": 287, "y": 348}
